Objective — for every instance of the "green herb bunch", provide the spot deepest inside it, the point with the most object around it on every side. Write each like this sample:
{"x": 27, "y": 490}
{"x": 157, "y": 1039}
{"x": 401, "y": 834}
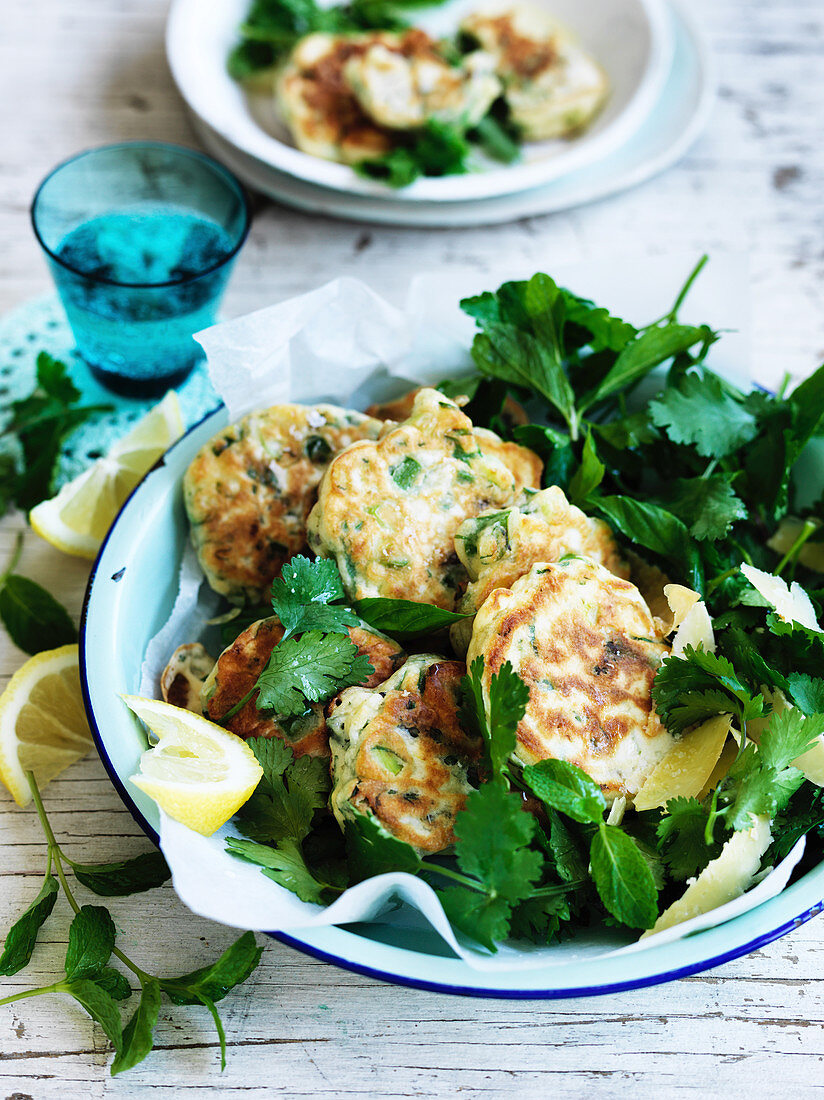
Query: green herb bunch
{"x": 90, "y": 978}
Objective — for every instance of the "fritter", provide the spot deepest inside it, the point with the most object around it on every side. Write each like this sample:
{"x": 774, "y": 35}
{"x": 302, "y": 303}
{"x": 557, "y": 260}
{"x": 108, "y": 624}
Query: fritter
{"x": 399, "y": 753}
{"x": 388, "y": 511}
{"x": 250, "y": 488}
{"x": 184, "y": 676}
{"x": 584, "y": 642}
{"x": 499, "y": 547}
{"x": 551, "y": 84}
{"x": 239, "y": 666}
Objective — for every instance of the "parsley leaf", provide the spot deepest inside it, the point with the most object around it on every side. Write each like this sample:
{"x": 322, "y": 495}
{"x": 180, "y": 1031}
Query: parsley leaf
{"x": 703, "y": 413}
{"x": 313, "y": 667}
{"x": 807, "y": 692}
{"x": 646, "y": 524}
{"x": 303, "y": 595}
{"x": 589, "y": 474}
{"x": 283, "y": 805}
{"x": 708, "y": 504}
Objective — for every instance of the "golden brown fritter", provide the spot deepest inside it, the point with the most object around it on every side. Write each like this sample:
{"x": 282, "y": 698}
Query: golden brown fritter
{"x": 239, "y": 666}
{"x": 387, "y": 512}
{"x": 499, "y": 547}
{"x": 584, "y": 642}
{"x": 184, "y": 675}
{"x": 399, "y": 753}
{"x": 250, "y": 488}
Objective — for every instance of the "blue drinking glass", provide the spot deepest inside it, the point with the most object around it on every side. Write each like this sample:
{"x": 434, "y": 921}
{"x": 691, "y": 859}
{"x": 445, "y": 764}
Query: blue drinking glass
{"x": 140, "y": 238}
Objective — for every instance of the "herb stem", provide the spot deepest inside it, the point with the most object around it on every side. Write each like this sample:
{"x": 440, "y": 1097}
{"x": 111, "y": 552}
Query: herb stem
{"x": 31, "y": 993}
{"x": 238, "y": 706}
{"x": 456, "y": 876}
{"x": 15, "y": 558}
{"x": 55, "y": 854}
{"x": 792, "y": 554}
{"x": 686, "y": 288}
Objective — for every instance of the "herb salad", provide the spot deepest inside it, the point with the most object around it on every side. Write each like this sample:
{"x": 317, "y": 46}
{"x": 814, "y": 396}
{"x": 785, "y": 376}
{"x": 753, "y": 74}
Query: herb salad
{"x": 699, "y": 486}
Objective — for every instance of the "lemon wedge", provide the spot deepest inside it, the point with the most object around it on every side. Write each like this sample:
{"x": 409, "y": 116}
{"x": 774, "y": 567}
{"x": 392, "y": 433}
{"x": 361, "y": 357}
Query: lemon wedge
{"x": 197, "y": 772}
{"x": 77, "y": 519}
{"x": 43, "y": 726}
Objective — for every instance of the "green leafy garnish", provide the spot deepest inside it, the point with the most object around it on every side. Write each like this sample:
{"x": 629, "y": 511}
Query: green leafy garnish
{"x": 32, "y": 616}
{"x": 304, "y": 598}
{"x": 405, "y": 618}
{"x": 313, "y": 667}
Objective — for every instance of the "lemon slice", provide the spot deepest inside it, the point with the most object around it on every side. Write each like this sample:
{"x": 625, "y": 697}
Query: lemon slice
{"x": 197, "y": 772}
{"x": 43, "y": 726}
{"x": 77, "y": 519}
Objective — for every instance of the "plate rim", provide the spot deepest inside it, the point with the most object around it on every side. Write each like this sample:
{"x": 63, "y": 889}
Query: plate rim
{"x": 506, "y": 180}
{"x": 293, "y": 939}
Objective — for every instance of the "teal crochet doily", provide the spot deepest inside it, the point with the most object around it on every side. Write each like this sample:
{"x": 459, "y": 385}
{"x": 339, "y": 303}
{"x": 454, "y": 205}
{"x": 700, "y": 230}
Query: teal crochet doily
{"x": 41, "y": 325}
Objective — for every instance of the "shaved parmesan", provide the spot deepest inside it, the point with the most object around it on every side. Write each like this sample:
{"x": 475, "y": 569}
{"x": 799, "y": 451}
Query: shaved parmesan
{"x": 723, "y": 765}
{"x": 791, "y": 602}
{"x": 726, "y": 878}
{"x": 681, "y": 601}
{"x": 695, "y": 630}
{"x": 687, "y": 767}
{"x": 617, "y": 810}
{"x": 810, "y": 763}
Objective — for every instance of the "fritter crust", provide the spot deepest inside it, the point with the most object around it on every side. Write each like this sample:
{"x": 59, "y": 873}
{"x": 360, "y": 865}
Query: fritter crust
{"x": 183, "y": 677}
{"x": 250, "y": 488}
{"x": 399, "y": 753}
{"x": 388, "y": 511}
{"x": 240, "y": 664}
{"x": 584, "y": 642}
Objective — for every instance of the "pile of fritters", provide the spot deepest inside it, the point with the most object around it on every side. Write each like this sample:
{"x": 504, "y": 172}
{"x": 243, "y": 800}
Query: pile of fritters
{"x": 434, "y": 510}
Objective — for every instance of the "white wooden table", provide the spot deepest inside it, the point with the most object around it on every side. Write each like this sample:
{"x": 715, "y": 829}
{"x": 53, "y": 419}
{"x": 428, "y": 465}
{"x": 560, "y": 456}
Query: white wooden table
{"x": 75, "y": 73}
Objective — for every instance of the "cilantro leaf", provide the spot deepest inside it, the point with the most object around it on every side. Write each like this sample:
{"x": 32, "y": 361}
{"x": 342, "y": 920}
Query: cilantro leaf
{"x": 371, "y": 850}
{"x": 753, "y": 787}
{"x": 283, "y": 805}
{"x": 492, "y": 833}
{"x": 498, "y": 722}
{"x": 689, "y": 688}
{"x": 682, "y": 838}
{"x": 807, "y": 692}
{"x": 708, "y": 504}
{"x": 481, "y": 916}
{"x": 703, "y": 413}
{"x": 313, "y": 667}
{"x": 284, "y": 864}
{"x": 539, "y": 918}
{"x": 623, "y": 878}
{"x": 787, "y": 736}
{"x": 566, "y": 788}
{"x": 303, "y": 595}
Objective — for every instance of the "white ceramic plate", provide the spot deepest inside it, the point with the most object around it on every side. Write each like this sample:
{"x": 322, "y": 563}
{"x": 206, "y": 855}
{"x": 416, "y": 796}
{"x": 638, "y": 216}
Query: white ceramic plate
{"x": 676, "y": 121}
{"x": 632, "y": 39}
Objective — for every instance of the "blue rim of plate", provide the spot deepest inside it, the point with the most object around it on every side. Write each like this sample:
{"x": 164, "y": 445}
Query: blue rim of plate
{"x": 642, "y": 982}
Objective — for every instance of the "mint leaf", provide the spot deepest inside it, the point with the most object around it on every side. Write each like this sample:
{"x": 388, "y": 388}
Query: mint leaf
{"x": 99, "y": 1005}
{"x": 405, "y": 618}
{"x": 646, "y": 525}
{"x": 22, "y": 936}
{"x": 622, "y": 878}
{"x": 651, "y": 348}
{"x": 498, "y": 721}
{"x": 91, "y": 940}
{"x": 303, "y": 595}
{"x": 371, "y": 850}
{"x": 32, "y": 616}
{"x": 570, "y": 864}
{"x": 138, "y": 1034}
{"x": 213, "y": 982}
{"x": 566, "y": 788}
{"x": 703, "y": 413}
{"x": 114, "y": 983}
{"x": 124, "y": 877}
{"x": 313, "y": 667}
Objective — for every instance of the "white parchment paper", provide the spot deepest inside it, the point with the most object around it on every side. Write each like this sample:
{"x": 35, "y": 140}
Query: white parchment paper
{"x": 344, "y": 343}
